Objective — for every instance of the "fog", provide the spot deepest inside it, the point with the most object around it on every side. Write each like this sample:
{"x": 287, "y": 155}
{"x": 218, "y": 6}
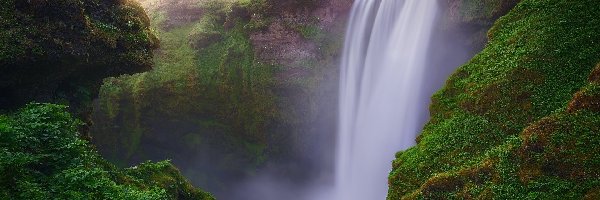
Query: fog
{"x": 450, "y": 46}
{"x": 300, "y": 168}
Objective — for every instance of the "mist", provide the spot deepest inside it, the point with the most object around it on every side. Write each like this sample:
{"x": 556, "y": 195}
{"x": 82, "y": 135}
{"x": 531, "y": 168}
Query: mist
{"x": 450, "y": 46}
{"x": 299, "y": 154}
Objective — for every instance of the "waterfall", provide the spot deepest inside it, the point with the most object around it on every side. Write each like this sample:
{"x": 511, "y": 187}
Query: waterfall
{"x": 382, "y": 71}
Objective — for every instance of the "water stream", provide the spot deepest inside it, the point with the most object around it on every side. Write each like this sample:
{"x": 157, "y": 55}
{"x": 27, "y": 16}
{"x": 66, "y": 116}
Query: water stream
{"x": 382, "y": 75}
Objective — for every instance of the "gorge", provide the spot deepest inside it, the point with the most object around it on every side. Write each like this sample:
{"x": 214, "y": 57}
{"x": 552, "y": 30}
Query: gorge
{"x": 299, "y": 99}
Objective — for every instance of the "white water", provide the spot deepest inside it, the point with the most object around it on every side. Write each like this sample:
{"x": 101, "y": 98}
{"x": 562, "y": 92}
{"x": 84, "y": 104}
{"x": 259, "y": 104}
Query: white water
{"x": 383, "y": 69}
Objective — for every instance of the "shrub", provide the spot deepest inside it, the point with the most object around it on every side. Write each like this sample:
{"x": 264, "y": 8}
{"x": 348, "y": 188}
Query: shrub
{"x": 43, "y": 157}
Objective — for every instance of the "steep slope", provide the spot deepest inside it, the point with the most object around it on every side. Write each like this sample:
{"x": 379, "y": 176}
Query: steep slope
{"x": 506, "y": 125}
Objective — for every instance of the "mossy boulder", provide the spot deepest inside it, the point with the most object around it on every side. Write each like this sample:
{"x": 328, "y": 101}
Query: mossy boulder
{"x": 59, "y": 51}
{"x": 520, "y": 119}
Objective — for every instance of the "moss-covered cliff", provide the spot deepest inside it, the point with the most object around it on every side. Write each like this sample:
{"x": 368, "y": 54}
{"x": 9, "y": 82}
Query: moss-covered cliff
{"x": 59, "y": 51}
{"x": 205, "y": 105}
{"x": 520, "y": 119}
{"x": 235, "y": 85}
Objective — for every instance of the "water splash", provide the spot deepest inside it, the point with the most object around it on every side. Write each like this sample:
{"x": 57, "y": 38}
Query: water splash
{"x": 382, "y": 72}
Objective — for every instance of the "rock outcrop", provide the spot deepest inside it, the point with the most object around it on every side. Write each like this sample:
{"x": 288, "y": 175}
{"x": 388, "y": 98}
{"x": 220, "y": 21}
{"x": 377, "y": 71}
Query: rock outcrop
{"x": 59, "y": 51}
{"x": 238, "y": 89}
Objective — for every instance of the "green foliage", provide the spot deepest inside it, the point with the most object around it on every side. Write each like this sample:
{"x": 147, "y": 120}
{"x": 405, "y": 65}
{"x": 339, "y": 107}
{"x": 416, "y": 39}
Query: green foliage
{"x": 43, "y": 157}
{"x": 501, "y": 127}
{"x": 165, "y": 175}
{"x": 311, "y": 32}
{"x": 223, "y": 72}
{"x": 481, "y": 11}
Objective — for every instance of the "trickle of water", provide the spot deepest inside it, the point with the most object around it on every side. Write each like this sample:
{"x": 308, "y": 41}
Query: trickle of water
{"x": 382, "y": 72}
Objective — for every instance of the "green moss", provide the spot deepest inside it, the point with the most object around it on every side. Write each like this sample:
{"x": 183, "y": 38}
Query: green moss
{"x": 205, "y": 94}
{"x": 71, "y": 46}
{"x": 311, "y": 32}
{"x": 538, "y": 56}
{"x": 166, "y": 176}
{"x": 210, "y": 98}
{"x": 447, "y": 146}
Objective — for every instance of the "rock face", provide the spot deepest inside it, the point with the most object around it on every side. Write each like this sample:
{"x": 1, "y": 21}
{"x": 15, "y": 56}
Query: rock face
{"x": 280, "y": 44}
{"x": 517, "y": 121}
{"x": 59, "y": 51}
{"x": 473, "y": 13}
{"x": 472, "y": 18}
{"x": 232, "y": 92}
{"x": 290, "y": 38}
{"x": 305, "y": 41}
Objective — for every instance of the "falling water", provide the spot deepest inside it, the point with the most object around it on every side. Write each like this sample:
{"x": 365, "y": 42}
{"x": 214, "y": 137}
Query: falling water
{"x": 382, "y": 72}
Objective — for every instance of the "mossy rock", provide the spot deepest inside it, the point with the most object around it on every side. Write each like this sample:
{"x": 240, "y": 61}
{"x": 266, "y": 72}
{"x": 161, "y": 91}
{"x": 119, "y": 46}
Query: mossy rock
{"x": 520, "y": 117}
{"x": 166, "y": 176}
{"x": 206, "y": 105}
{"x": 211, "y": 104}
{"x": 61, "y": 50}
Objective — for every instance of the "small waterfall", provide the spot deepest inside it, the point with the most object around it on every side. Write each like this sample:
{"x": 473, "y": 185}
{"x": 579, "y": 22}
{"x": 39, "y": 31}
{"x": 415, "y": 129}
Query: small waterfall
{"x": 383, "y": 68}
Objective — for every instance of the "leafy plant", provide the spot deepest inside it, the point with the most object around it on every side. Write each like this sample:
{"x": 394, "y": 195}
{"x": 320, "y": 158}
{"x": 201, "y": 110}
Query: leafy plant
{"x": 43, "y": 157}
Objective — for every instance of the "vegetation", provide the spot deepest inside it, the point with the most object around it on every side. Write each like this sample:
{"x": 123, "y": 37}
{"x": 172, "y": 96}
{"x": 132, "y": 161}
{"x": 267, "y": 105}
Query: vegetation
{"x": 59, "y": 51}
{"x": 206, "y": 82}
{"x": 506, "y": 125}
{"x": 43, "y": 157}
{"x": 519, "y": 121}
{"x": 211, "y": 97}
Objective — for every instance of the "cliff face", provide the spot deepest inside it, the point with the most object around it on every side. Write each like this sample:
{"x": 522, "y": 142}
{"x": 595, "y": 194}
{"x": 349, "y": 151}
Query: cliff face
{"x": 59, "y": 51}
{"x": 236, "y": 84}
{"x": 517, "y": 121}
{"x": 472, "y": 18}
